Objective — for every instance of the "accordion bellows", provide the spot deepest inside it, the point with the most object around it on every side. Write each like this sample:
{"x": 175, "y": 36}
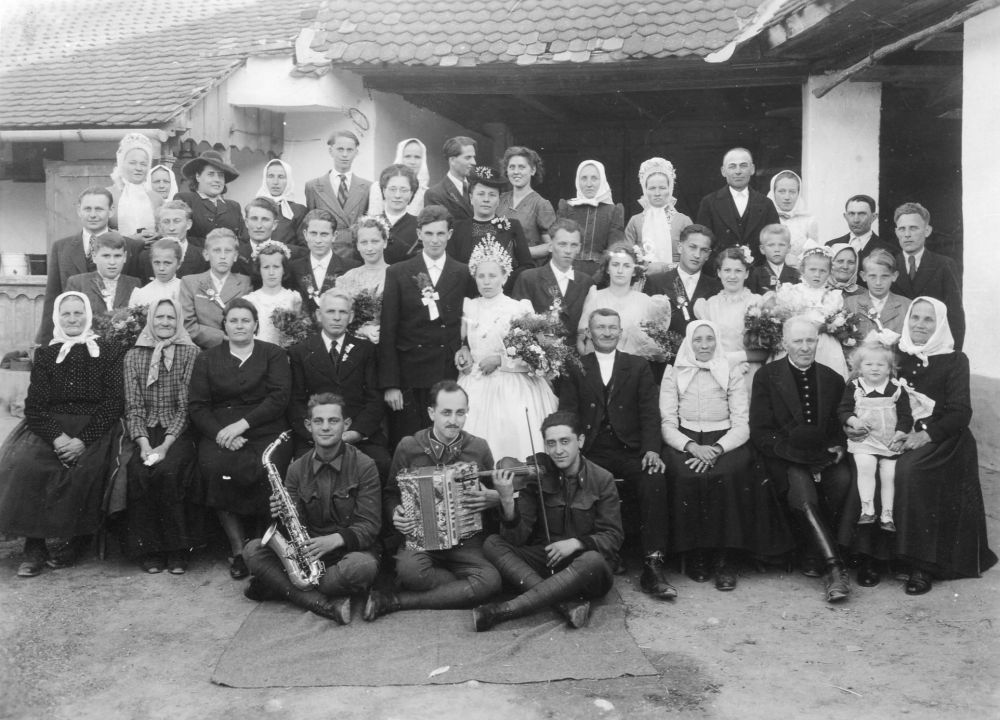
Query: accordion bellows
{"x": 433, "y": 497}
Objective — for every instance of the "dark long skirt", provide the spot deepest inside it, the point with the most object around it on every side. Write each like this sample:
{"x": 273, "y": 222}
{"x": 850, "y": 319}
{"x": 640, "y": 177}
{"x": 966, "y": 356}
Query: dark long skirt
{"x": 938, "y": 511}
{"x": 235, "y": 480}
{"x": 732, "y": 505}
{"x": 41, "y": 498}
{"x": 161, "y": 514}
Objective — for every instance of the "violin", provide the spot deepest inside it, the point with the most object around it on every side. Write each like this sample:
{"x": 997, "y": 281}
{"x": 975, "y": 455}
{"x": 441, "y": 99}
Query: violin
{"x": 536, "y": 468}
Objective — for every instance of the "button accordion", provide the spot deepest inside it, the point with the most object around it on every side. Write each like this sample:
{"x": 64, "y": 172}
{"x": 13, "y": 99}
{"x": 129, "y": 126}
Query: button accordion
{"x": 433, "y": 497}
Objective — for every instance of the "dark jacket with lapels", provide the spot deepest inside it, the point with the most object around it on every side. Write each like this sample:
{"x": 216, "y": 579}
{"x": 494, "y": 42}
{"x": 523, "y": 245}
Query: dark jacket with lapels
{"x": 630, "y": 403}
{"x": 539, "y": 286}
{"x": 305, "y": 283}
{"x": 447, "y": 195}
{"x": 718, "y": 212}
{"x": 354, "y": 378}
{"x": 937, "y": 277}
{"x": 415, "y": 351}
{"x": 91, "y": 284}
{"x": 670, "y": 284}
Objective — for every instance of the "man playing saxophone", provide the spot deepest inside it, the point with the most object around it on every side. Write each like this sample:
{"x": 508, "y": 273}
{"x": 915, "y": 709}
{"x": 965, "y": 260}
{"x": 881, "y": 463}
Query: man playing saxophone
{"x": 336, "y": 492}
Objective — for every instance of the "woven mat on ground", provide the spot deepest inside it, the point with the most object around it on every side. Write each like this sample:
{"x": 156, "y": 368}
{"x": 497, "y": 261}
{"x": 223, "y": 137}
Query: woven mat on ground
{"x": 279, "y": 645}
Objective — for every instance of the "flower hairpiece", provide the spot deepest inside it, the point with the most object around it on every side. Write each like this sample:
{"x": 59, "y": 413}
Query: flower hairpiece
{"x": 483, "y": 171}
{"x": 817, "y": 250}
{"x": 267, "y": 245}
{"x": 747, "y": 254}
{"x": 489, "y": 249}
{"x": 380, "y": 220}
{"x": 644, "y": 254}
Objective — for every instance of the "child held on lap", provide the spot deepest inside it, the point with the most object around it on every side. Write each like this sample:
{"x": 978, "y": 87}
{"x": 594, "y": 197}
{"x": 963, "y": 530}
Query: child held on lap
{"x": 876, "y": 402}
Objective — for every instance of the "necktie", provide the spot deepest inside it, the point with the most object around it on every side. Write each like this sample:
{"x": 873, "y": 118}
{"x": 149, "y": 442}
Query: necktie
{"x": 465, "y": 189}
{"x": 342, "y": 191}
{"x": 92, "y": 245}
{"x": 911, "y": 266}
{"x": 335, "y": 355}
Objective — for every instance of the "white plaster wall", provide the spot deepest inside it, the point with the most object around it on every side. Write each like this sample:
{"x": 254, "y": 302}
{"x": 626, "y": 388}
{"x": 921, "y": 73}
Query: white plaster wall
{"x": 840, "y": 149}
{"x": 981, "y": 215}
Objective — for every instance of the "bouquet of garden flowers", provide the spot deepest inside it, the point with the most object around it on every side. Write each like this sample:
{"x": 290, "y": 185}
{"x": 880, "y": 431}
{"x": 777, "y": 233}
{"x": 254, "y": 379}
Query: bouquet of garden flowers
{"x": 293, "y": 325}
{"x": 762, "y": 329}
{"x": 537, "y": 340}
{"x": 660, "y": 343}
{"x": 824, "y": 307}
{"x": 367, "y": 308}
{"x": 122, "y": 326}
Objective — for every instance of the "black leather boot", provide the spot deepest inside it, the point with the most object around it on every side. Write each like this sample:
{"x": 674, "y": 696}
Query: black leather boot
{"x": 379, "y": 603}
{"x": 654, "y": 578}
{"x": 838, "y": 583}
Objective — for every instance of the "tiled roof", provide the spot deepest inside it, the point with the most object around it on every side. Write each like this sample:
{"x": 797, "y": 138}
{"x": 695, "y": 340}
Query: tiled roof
{"x": 125, "y": 63}
{"x": 464, "y": 33}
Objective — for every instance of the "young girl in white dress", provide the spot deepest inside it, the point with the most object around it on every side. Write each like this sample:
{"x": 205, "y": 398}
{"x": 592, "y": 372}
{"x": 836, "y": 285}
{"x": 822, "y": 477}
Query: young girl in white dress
{"x": 499, "y": 387}
{"x": 811, "y": 297}
{"x": 728, "y": 308}
{"x": 272, "y": 259}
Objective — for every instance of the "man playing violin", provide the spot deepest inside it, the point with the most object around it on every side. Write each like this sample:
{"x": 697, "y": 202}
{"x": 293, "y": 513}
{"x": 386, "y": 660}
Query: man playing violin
{"x": 461, "y": 576}
{"x": 560, "y": 553}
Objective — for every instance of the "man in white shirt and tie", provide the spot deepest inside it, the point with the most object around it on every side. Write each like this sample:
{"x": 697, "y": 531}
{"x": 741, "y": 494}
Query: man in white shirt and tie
{"x": 737, "y": 213}
{"x": 556, "y": 279}
{"x": 340, "y": 192}
{"x": 421, "y": 324}
{"x": 316, "y": 273}
{"x": 686, "y": 284}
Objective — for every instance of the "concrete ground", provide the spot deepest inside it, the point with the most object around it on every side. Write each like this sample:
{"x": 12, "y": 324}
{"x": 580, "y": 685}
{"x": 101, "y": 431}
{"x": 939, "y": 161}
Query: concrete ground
{"x": 105, "y": 640}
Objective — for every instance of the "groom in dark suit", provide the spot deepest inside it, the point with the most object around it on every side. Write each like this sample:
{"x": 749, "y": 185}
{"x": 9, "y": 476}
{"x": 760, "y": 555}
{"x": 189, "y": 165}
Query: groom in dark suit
{"x": 686, "y": 283}
{"x": 452, "y": 192}
{"x": 421, "y": 324}
{"x": 334, "y": 361}
{"x": 316, "y": 273}
{"x": 618, "y": 401}
{"x": 340, "y": 192}
{"x": 795, "y": 426}
{"x": 737, "y": 213}
{"x": 556, "y": 279}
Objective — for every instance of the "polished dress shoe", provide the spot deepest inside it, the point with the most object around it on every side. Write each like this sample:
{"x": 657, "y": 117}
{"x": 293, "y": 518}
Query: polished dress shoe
{"x": 654, "y": 578}
{"x": 378, "y": 604}
{"x": 919, "y": 583}
{"x": 31, "y": 567}
{"x": 838, "y": 584}
{"x": 237, "y": 567}
{"x": 177, "y": 562}
{"x": 725, "y": 578}
{"x": 868, "y": 576}
{"x": 811, "y": 566}
{"x": 152, "y": 564}
{"x": 697, "y": 567}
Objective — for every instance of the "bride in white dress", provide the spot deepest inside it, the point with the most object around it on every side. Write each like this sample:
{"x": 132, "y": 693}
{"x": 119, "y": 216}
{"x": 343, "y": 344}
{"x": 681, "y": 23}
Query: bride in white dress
{"x": 499, "y": 387}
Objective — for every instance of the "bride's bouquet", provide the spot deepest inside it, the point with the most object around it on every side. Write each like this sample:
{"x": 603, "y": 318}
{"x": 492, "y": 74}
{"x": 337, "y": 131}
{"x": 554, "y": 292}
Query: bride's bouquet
{"x": 537, "y": 341}
{"x": 121, "y": 326}
{"x": 824, "y": 307}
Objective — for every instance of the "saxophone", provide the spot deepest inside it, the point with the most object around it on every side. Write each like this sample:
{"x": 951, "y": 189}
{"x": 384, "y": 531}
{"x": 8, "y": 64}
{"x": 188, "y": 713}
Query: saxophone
{"x": 302, "y": 572}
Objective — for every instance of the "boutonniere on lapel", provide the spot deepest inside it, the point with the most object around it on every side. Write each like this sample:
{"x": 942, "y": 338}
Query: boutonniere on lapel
{"x": 553, "y": 292}
{"x": 102, "y": 289}
{"x": 774, "y": 282}
{"x": 872, "y": 314}
{"x": 347, "y": 351}
{"x": 312, "y": 292}
{"x": 208, "y": 292}
{"x": 501, "y": 222}
{"x": 682, "y": 298}
{"x": 428, "y": 295}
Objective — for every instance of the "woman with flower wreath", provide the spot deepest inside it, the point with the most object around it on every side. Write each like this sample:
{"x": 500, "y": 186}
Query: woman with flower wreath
{"x": 812, "y": 298}
{"x": 616, "y": 289}
{"x": 275, "y": 276}
{"x": 55, "y": 463}
{"x": 657, "y": 229}
{"x": 485, "y": 184}
{"x": 499, "y": 386}
{"x": 727, "y": 309}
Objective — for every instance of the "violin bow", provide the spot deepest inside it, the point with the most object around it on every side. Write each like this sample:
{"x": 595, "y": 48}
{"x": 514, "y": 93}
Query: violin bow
{"x": 538, "y": 474}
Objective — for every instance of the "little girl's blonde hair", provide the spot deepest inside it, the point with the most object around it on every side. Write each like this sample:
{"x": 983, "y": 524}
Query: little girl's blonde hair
{"x": 867, "y": 349}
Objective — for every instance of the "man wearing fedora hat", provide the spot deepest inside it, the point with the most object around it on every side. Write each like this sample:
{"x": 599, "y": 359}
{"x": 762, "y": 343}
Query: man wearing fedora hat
{"x": 208, "y": 175}
{"x": 340, "y": 192}
{"x": 794, "y": 424}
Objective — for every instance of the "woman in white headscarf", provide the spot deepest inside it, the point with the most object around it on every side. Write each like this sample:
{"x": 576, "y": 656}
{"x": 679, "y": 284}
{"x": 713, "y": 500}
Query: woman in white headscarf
{"x": 135, "y": 202}
{"x": 938, "y": 508}
{"x": 787, "y": 196}
{"x": 601, "y": 219}
{"x": 412, "y": 153}
{"x": 56, "y": 461}
{"x": 278, "y": 186}
{"x": 162, "y": 181}
{"x": 719, "y": 506}
{"x": 657, "y": 229}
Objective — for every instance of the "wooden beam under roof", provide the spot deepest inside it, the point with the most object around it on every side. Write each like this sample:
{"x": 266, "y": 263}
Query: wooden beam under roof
{"x": 543, "y": 107}
{"x": 920, "y": 75}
